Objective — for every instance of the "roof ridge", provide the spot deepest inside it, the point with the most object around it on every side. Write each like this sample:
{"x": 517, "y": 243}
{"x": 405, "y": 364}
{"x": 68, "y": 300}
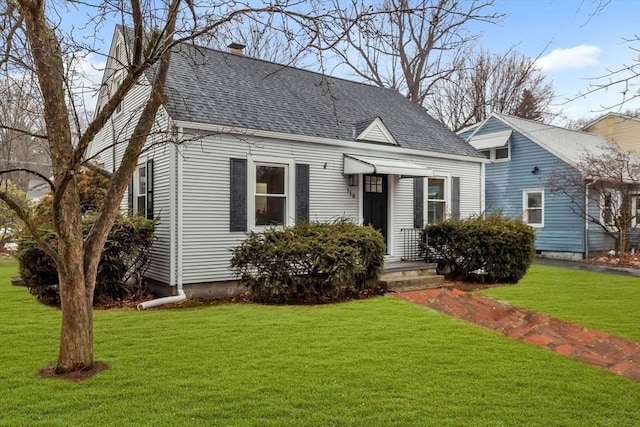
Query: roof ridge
{"x": 509, "y": 116}
{"x": 292, "y": 67}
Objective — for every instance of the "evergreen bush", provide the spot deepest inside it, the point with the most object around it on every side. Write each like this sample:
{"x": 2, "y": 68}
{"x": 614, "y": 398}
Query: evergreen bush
{"x": 310, "y": 262}
{"x": 122, "y": 262}
{"x": 492, "y": 249}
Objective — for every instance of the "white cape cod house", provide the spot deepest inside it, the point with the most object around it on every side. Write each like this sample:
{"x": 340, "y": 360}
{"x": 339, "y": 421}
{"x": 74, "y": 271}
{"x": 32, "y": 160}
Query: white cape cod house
{"x": 242, "y": 144}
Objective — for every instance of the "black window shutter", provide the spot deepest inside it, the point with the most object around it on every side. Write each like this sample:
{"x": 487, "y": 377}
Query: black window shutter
{"x": 130, "y": 198}
{"x": 455, "y": 197}
{"x": 238, "y": 195}
{"x": 418, "y": 202}
{"x": 150, "y": 189}
{"x": 302, "y": 193}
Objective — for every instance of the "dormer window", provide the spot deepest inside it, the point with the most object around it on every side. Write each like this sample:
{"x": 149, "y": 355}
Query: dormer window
{"x": 494, "y": 146}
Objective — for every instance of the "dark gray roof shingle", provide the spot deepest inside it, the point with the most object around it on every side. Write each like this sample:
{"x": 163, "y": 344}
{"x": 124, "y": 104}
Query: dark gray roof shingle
{"x": 209, "y": 86}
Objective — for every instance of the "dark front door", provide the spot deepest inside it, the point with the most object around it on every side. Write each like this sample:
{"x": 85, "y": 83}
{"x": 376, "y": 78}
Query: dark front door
{"x": 375, "y": 203}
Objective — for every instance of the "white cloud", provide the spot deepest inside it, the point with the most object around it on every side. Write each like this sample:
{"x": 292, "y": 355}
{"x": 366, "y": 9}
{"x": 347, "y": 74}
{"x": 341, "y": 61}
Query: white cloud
{"x": 580, "y": 56}
{"x": 91, "y": 66}
{"x": 89, "y": 69}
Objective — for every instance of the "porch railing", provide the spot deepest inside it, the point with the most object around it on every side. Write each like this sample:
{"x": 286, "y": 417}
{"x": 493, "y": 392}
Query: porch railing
{"x": 413, "y": 246}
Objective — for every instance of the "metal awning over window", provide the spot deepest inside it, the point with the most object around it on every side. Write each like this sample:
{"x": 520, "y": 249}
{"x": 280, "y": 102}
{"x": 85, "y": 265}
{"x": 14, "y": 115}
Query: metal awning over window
{"x": 490, "y": 140}
{"x": 368, "y": 165}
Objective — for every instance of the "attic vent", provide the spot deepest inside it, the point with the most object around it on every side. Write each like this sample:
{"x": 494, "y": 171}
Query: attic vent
{"x": 236, "y": 48}
{"x": 374, "y": 131}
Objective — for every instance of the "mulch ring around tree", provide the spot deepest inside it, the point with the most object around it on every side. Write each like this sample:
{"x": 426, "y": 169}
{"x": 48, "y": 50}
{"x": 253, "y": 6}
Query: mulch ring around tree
{"x": 75, "y": 376}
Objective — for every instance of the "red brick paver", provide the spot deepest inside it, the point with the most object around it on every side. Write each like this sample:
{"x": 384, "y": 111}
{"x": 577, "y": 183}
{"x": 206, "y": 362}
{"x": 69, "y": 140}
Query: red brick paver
{"x": 609, "y": 352}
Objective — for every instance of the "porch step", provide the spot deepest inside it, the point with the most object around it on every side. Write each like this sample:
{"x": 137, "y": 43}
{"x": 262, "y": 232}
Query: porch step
{"x": 411, "y": 278}
{"x": 417, "y": 283}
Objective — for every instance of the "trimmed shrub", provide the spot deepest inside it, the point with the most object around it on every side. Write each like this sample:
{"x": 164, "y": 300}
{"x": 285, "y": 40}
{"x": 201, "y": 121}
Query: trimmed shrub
{"x": 492, "y": 249}
{"x": 310, "y": 263}
{"x": 122, "y": 263}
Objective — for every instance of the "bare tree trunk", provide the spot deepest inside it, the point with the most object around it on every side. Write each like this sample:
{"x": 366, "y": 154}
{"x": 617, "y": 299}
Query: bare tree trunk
{"x": 76, "y": 336}
{"x": 76, "y": 344}
{"x": 33, "y": 35}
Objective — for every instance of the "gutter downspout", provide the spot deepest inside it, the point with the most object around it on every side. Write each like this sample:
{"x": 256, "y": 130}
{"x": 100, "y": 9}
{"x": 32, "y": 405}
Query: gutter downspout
{"x": 176, "y": 198}
{"x": 483, "y": 178}
{"x": 586, "y": 219}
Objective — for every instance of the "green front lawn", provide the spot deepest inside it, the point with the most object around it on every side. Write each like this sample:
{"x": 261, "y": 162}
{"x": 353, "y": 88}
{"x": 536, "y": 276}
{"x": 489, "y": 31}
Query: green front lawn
{"x": 602, "y": 301}
{"x": 375, "y": 362}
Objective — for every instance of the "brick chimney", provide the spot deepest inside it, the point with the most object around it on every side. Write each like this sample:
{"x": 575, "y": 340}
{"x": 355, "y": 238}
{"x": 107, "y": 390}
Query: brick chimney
{"x": 236, "y": 48}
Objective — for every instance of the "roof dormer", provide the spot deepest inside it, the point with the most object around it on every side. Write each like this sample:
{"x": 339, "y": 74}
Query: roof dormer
{"x": 373, "y": 131}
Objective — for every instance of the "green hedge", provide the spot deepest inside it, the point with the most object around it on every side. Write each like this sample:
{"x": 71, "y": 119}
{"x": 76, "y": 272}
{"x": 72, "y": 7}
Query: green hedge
{"x": 492, "y": 249}
{"x": 310, "y": 263}
{"x": 122, "y": 262}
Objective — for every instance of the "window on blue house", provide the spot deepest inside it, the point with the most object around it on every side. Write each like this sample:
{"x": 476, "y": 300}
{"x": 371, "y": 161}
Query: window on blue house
{"x": 533, "y": 207}
{"x": 607, "y": 208}
{"x": 497, "y": 154}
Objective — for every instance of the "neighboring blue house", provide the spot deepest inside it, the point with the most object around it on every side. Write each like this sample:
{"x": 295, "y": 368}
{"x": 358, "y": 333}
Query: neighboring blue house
{"x": 523, "y": 153}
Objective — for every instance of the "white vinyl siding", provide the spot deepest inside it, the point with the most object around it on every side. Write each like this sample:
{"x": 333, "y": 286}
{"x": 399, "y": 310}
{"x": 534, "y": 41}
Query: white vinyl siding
{"x": 206, "y": 203}
{"x": 108, "y": 148}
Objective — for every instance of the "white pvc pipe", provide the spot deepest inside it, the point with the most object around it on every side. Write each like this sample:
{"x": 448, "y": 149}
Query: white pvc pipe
{"x": 178, "y": 212}
{"x": 162, "y": 301}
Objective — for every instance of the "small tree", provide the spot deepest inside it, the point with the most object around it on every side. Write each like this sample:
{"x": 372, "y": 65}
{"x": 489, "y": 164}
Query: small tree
{"x": 603, "y": 189}
{"x": 410, "y": 45}
{"x": 38, "y": 42}
{"x": 529, "y": 107}
{"x": 491, "y": 83}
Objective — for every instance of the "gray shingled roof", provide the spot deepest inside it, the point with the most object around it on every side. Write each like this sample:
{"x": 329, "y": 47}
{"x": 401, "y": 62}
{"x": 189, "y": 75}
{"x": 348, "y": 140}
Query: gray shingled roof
{"x": 209, "y": 86}
{"x": 569, "y": 145}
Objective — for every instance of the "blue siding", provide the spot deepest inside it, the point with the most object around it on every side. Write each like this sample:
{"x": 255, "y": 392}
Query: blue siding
{"x": 563, "y": 230}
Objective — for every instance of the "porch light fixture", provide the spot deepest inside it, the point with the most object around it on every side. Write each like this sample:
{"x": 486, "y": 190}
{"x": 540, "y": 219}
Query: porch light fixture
{"x": 535, "y": 170}
{"x": 353, "y": 180}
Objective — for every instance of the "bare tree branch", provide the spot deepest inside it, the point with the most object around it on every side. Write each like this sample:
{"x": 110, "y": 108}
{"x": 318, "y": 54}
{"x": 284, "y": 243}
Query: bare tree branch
{"x": 601, "y": 189}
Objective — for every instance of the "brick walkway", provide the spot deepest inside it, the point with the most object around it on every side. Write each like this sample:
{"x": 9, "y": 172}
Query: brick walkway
{"x": 605, "y": 351}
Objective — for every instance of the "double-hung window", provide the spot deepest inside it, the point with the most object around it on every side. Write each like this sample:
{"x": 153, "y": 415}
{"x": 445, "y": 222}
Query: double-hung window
{"x": 271, "y": 187}
{"x": 498, "y": 154}
{"x": 141, "y": 190}
{"x": 635, "y": 209}
{"x": 117, "y": 81}
{"x": 608, "y": 208}
{"x": 436, "y": 200}
{"x": 267, "y": 191}
{"x": 140, "y": 185}
{"x": 533, "y": 207}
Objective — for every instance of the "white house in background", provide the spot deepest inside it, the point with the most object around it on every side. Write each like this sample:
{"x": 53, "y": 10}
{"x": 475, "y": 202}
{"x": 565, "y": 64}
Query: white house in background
{"x": 242, "y": 144}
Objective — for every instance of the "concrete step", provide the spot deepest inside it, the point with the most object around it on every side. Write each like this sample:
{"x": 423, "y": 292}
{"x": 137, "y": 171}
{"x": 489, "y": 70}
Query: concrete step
{"x": 414, "y": 272}
{"x": 413, "y": 283}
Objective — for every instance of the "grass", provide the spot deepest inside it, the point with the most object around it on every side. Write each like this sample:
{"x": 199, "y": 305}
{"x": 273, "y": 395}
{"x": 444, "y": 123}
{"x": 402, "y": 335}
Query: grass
{"x": 380, "y": 361}
{"x": 602, "y": 301}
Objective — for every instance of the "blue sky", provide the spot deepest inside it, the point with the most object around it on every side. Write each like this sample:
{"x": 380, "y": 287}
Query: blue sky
{"x": 575, "y": 43}
{"x": 574, "y": 40}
